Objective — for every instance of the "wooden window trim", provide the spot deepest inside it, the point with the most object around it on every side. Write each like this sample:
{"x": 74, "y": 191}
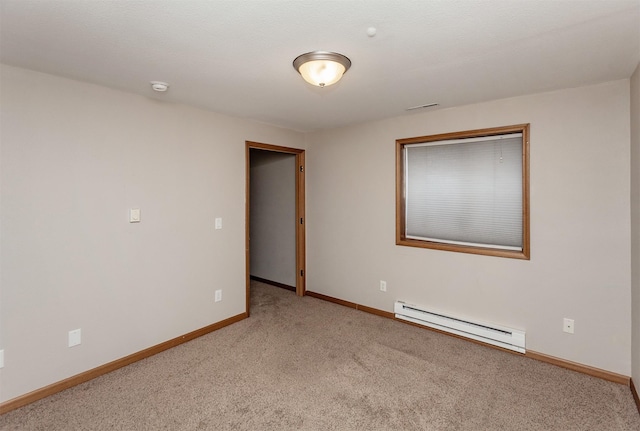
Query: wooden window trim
{"x": 400, "y": 198}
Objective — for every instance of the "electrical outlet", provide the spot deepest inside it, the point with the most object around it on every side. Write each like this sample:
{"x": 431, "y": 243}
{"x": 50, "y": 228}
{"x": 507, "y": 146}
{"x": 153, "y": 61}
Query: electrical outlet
{"x": 134, "y": 215}
{"x": 75, "y": 337}
{"x": 568, "y": 325}
{"x": 218, "y": 295}
{"x": 383, "y": 286}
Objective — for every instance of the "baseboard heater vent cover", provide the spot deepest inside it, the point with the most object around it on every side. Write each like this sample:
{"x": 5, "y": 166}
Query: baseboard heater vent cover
{"x": 507, "y": 338}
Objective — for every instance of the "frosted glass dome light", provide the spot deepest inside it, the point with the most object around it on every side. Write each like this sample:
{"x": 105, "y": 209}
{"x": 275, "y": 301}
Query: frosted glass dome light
{"x": 321, "y": 68}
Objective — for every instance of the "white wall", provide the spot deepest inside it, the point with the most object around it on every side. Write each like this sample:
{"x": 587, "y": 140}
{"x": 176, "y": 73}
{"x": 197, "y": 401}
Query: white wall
{"x": 580, "y": 224}
{"x": 635, "y": 226}
{"x": 74, "y": 158}
{"x": 273, "y": 216}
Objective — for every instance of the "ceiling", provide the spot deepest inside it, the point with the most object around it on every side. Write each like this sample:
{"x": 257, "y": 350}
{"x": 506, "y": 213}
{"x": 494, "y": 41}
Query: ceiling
{"x": 235, "y": 57}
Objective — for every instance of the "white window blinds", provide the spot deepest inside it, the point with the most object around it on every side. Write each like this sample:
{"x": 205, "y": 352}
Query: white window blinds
{"x": 465, "y": 191}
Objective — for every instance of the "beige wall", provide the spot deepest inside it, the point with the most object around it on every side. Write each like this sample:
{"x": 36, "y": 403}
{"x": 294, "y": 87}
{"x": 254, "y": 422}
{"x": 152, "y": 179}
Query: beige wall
{"x": 580, "y": 218}
{"x": 635, "y": 226}
{"x": 74, "y": 158}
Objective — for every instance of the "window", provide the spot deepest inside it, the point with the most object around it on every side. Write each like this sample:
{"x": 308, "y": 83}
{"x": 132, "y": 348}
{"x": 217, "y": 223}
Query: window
{"x": 465, "y": 191}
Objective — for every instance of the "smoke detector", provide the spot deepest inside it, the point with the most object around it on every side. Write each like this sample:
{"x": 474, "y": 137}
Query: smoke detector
{"x": 159, "y": 86}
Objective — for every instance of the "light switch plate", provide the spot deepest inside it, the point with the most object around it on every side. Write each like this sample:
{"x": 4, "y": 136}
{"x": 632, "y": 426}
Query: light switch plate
{"x": 134, "y": 215}
{"x": 218, "y": 222}
{"x": 2, "y": 358}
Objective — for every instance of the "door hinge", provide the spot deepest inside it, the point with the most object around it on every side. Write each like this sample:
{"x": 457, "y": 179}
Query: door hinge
{"x": 301, "y": 168}
{"x": 302, "y": 273}
{"x": 301, "y": 220}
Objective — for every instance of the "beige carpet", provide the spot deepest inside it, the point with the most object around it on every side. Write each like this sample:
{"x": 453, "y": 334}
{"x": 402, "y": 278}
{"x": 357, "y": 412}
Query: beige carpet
{"x": 305, "y": 364}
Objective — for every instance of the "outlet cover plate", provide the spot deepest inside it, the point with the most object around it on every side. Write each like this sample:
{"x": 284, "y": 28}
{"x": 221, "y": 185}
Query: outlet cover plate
{"x": 134, "y": 215}
{"x": 75, "y": 337}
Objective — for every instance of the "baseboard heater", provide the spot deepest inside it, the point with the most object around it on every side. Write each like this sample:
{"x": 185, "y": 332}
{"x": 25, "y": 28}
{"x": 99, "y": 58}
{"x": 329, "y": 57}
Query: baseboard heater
{"x": 508, "y": 338}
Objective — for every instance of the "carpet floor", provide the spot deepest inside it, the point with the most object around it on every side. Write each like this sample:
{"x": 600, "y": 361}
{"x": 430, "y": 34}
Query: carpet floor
{"x": 305, "y": 364}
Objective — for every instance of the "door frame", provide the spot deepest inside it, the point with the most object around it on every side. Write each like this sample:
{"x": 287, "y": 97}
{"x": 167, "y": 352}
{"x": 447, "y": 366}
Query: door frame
{"x": 300, "y": 214}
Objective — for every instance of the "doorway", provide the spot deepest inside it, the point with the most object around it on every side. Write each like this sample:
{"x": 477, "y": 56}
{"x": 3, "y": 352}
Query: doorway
{"x": 277, "y": 213}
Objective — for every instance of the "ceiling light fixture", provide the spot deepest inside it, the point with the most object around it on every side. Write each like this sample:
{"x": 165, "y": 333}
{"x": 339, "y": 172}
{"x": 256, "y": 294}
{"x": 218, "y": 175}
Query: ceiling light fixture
{"x": 321, "y": 68}
{"x": 159, "y": 86}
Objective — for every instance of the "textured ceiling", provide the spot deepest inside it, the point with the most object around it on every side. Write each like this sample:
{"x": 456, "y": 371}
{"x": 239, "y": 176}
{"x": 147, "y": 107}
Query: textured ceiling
{"x": 235, "y": 57}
